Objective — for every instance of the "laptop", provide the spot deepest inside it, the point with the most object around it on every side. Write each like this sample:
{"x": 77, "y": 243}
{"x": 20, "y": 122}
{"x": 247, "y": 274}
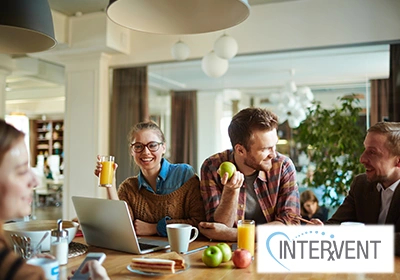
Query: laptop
{"x": 107, "y": 223}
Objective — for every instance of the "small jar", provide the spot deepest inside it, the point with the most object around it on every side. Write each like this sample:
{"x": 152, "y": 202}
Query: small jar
{"x": 59, "y": 244}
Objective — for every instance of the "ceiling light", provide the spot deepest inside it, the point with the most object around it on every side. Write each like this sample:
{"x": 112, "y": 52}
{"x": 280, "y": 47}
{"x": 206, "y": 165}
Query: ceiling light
{"x": 180, "y": 51}
{"x": 26, "y": 26}
{"x": 226, "y": 47}
{"x": 178, "y": 16}
{"x": 291, "y": 104}
{"x": 213, "y": 65}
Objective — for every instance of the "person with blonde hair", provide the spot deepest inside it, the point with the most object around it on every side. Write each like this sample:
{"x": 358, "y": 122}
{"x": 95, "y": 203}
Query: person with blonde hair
{"x": 163, "y": 192}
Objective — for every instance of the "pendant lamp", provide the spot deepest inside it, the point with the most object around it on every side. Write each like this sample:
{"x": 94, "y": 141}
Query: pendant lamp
{"x": 226, "y": 47}
{"x": 178, "y": 16}
{"x": 26, "y": 26}
{"x": 214, "y": 66}
{"x": 180, "y": 51}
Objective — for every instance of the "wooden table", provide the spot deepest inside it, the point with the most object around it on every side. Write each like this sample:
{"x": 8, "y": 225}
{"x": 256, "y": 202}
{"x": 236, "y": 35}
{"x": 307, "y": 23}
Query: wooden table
{"x": 116, "y": 263}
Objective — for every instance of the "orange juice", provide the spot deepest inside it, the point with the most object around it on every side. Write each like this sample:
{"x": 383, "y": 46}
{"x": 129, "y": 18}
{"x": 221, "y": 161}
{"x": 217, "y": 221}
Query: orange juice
{"x": 246, "y": 235}
{"x": 107, "y": 171}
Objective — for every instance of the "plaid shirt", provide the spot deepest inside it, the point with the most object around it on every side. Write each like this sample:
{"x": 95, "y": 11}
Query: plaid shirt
{"x": 276, "y": 189}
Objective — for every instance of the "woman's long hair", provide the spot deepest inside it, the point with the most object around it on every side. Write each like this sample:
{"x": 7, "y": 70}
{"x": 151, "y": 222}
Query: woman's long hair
{"x": 8, "y": 136}
{"x": 305, "y": 196}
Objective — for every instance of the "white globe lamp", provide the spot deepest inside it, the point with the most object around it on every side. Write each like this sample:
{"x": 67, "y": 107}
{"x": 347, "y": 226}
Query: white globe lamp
{"x": 214, "y": 66}
{"x": 305, "y": 93}
{"x": 180, "y": 51}
{"x": 293, "y": 122}
{"x": 291, "y": 87}
{"x": 226, "y": 47}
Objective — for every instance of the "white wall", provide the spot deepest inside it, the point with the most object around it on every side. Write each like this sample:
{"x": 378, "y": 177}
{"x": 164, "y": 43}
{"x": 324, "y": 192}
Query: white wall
{"x": 210, "y": 111}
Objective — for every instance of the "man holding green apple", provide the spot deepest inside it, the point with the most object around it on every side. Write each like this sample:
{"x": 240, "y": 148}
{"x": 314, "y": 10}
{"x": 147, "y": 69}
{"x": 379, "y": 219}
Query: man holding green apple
{"x": 263, "y": 188}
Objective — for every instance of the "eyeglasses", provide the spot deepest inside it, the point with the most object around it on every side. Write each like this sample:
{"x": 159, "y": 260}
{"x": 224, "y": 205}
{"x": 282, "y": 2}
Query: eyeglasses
{"x": 153, "y": 146}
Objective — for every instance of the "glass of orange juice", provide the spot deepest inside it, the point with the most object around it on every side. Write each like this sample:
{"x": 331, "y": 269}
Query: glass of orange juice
{"x": 107, "y": 171}
{"x": 246, "y": 235}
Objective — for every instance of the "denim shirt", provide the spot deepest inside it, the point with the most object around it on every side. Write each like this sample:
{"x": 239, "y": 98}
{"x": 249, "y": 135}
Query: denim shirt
{"x": 170, "y": 178}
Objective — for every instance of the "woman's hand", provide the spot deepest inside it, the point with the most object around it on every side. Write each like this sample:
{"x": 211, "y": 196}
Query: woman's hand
{"x": 95, "y": 270}
{"x": 99, "y": 167}
{"x": 143, "y": 228}
{"x": 44, "y": 255}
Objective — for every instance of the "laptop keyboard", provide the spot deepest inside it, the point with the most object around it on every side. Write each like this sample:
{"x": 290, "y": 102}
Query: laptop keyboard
{"x": 144, "y": 246}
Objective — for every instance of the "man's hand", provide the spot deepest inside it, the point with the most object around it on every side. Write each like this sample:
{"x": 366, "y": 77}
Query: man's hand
{"x": 316, "y": 222}
{"x": 227, "y": 208}
{"x": 218, "y": 231}
{"x": 235, "y": 182}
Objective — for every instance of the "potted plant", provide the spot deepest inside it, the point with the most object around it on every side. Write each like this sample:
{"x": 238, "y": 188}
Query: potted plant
{"x": 333, "y": 139}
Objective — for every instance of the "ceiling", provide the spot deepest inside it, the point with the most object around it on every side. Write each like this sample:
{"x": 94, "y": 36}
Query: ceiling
{"x": 257, "y": 74}
{"x": 71, "y": 7}
{"x": 330, "y": 66}
{"x": 263, "y": 73}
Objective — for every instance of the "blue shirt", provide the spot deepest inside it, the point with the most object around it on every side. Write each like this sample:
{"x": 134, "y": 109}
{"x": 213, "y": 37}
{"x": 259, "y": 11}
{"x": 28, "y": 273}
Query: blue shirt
{"x": 170, "y": 178}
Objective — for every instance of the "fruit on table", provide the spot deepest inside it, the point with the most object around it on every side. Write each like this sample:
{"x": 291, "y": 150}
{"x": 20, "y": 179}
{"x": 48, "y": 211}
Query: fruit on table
{"x": 241, "y": 258}
{"x": 227, "y": 167}
{"x": 212, "y": 256}
{"x": 226, "y": 251}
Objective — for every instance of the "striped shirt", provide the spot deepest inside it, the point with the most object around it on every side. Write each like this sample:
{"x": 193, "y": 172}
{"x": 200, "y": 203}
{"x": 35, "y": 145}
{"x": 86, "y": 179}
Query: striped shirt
{"x": 276, "y": 190}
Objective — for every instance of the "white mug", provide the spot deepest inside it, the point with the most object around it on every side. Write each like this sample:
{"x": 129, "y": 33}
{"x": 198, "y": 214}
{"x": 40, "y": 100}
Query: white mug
{"x": 179, "y": 236}
{"x": 49, "y": 266}
{"x": 352, "y": 224}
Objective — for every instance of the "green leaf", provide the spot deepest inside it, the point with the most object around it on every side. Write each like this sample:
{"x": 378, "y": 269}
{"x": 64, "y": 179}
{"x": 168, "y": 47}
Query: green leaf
{"x": 336, "y": 138}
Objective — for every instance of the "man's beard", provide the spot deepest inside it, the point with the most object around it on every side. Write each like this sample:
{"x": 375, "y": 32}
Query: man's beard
{"x": 256, "y": 166}
{"x": 377, "y": 179}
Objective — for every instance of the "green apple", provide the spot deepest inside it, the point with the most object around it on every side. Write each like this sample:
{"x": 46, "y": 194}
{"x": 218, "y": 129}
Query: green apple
{"x": 226, "y": 251}
{"x": 212, "y": 256}
{"x": 227, "y": 167}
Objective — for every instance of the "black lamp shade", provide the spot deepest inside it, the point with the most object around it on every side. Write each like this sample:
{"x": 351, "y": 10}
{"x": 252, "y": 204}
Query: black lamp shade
{"x": 26, "y": 26}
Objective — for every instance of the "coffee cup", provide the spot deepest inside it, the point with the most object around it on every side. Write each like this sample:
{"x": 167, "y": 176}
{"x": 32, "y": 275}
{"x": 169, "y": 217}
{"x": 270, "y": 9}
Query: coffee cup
{"x": 179, "y": 236}
{"x": 49, "y": 266}
{"x": 352, "y": 224}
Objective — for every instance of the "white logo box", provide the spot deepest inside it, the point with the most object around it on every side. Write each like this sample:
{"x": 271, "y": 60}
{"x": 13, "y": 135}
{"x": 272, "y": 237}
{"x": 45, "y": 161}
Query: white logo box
{"x": 325, "y": 249}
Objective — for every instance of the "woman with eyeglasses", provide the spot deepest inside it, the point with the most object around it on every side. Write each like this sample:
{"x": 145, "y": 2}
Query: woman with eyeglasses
{"x": 163, "y": 192}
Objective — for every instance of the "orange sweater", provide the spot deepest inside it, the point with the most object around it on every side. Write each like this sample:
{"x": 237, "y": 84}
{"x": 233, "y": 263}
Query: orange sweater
{"x": 13, "y": 267}
{"x": 183, "y": 205}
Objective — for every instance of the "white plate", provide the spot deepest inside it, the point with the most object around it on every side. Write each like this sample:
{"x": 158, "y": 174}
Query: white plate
{"x": 155, "y": 273}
